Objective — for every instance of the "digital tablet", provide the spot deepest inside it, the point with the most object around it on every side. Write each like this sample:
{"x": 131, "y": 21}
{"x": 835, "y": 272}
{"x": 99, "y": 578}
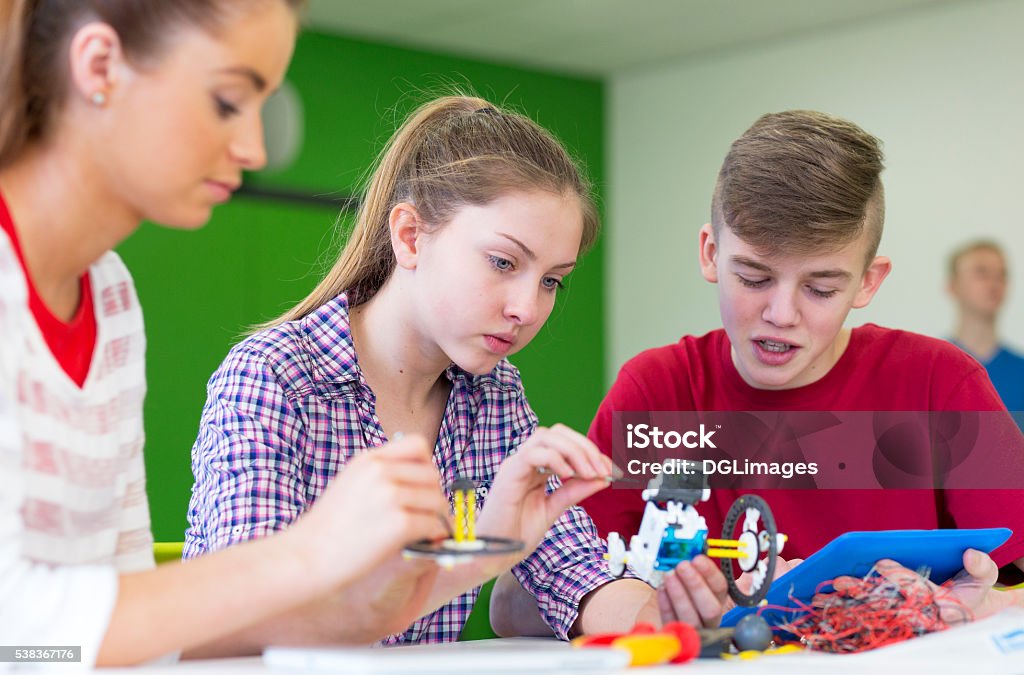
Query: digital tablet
{"x": 855, "y": 553}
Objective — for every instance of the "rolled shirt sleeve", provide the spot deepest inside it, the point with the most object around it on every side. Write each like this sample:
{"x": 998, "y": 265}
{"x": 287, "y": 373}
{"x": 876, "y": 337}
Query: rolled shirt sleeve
{"x": 568, "y": 563}
{"x": 246, "y": 459}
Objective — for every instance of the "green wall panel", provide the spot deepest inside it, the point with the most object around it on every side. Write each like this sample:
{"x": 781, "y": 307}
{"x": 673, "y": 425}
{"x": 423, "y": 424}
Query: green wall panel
{"x": 257, "y": 257}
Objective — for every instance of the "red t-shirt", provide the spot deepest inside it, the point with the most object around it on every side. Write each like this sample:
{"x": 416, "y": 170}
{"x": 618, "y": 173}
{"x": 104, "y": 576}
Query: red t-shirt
{"x": 72, "y": 342}
{"x": 881, "y": 369}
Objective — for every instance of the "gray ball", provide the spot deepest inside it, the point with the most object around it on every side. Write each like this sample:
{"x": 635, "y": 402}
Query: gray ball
{"x": 752, "y": 632}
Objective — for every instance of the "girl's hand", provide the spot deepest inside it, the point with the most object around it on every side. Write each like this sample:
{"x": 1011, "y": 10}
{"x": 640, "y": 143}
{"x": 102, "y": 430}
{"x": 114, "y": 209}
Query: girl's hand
{"x": 518, "y": 506}
{"x": 381, "y": 501}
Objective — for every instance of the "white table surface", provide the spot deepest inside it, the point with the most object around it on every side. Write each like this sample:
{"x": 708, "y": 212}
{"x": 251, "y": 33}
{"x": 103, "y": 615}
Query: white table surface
{"x": 972, "y": 650}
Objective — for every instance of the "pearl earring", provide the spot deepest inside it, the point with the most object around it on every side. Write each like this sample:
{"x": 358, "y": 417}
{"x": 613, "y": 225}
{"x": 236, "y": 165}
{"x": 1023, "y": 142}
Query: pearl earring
{"x": 98, "y": 98}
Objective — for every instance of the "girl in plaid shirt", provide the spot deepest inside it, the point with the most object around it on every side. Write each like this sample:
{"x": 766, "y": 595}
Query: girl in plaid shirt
{"x": 471, "y": 221}
{"x": 112, "y": 112}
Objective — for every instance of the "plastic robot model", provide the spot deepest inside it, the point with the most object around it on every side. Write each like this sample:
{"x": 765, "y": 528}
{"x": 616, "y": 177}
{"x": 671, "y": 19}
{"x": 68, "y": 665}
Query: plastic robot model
{"x": 672, "y": 531}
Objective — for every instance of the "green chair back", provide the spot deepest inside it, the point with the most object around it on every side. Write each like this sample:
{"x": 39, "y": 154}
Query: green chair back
{"x": 166, "y": 551}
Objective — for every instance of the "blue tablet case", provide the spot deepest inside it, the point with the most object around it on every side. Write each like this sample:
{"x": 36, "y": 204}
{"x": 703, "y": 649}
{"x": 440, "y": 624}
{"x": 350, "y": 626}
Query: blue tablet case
{"x": 854, "y": 553}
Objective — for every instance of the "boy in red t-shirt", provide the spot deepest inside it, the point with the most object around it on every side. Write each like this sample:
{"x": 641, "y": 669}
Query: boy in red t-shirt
{"x": 796, "y": 220}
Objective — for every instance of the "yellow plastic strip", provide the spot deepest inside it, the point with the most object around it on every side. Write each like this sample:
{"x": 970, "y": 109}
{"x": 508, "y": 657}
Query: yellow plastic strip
{"x": 460, "y": 515}
{"x": 471, "y": 515}
{"x": 720, "y": 553}
{"x": 726, "y": 543}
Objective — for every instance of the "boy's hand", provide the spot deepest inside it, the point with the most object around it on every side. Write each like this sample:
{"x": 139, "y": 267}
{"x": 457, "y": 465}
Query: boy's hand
{"x": 518, "y": 506}
{"x": 747, "y": 578}
{"x": 971, "y": 588}
{"x": 695, "y": 592}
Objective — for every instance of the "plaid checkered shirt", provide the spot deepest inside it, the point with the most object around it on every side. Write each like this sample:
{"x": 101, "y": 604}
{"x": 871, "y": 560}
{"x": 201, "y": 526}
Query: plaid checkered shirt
{"x": 289, "y": 406}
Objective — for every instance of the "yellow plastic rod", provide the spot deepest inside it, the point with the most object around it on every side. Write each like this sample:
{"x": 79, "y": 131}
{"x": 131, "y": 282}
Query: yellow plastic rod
{"x": 471, "y": 515}
{"x": 460, "y": 516}
{"x": 719, "y": 553}
{"x": 726, "y": 543}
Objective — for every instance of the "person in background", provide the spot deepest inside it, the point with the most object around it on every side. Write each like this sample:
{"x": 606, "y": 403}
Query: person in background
{"x": 977, "y": 284}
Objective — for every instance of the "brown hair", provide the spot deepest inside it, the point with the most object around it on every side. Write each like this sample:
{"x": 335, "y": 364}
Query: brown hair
{"x": 454, "y": 151}
{"x": 971, "y": 247}
{"x": 801, "y": 182}
{"x": 34, "y": 36}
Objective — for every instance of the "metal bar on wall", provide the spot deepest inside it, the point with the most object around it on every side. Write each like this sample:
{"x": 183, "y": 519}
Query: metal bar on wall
{"x": 326, "y": 200}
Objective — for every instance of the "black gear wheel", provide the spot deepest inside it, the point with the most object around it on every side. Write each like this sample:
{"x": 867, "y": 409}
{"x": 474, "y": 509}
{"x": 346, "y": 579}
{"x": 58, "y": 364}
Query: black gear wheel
{"x": 737, "y": 513}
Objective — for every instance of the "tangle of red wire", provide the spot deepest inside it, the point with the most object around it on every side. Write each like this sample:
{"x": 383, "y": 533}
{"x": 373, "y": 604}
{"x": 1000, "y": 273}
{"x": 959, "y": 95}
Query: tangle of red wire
{"x": 878, "y": 610}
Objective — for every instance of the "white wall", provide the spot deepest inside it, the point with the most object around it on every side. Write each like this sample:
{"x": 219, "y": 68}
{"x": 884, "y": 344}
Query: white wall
{"x": 942, "y": 87}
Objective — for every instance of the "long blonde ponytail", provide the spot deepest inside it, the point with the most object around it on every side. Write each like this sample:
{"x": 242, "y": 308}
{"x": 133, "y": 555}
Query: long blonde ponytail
{"x": 451, "y": 152}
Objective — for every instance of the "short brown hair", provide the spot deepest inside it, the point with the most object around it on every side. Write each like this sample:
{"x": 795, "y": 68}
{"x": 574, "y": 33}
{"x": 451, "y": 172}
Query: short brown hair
{"x": 971, "y": 247}
{"x": 34, "y": 37}
{"x": 801, "y": 182}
